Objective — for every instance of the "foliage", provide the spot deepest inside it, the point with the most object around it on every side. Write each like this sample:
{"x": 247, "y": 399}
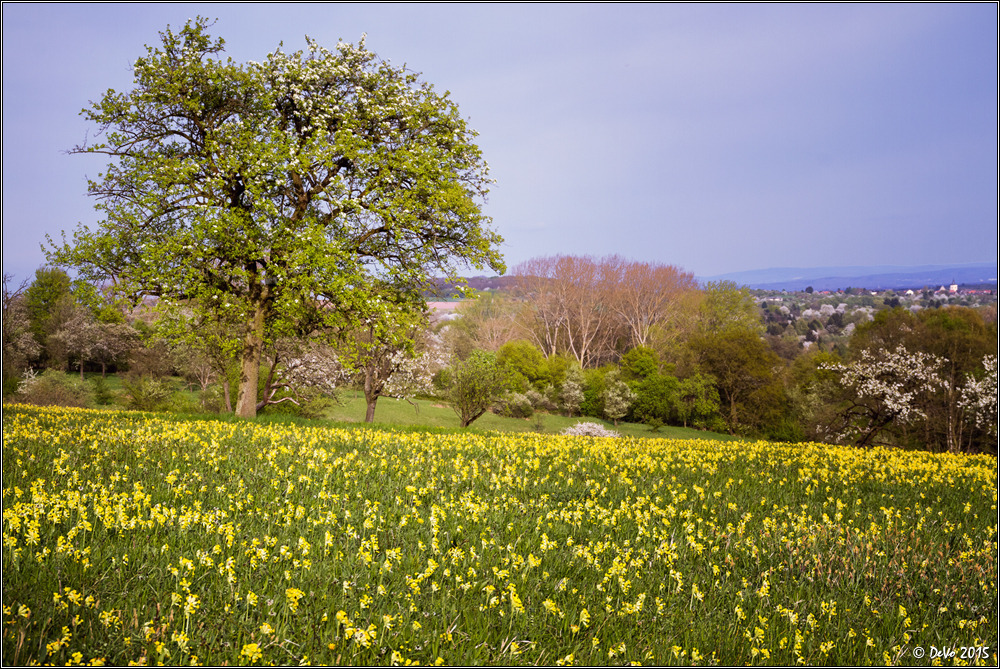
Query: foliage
{"x": 728, "y": 307}
{"x": 49, "y": 303}
{"x": 513, "y": 405}
{"x": 274, "y": 195}
{"x": 54, "y": 388}
{"x": 476, "y": 383}
{"x": 282, "y": 543}
{"x": 639, "y": 363}
{"x": 745, "y": 373}
{"x": 526, "y": 364}
{"x": 698, "y": 403}
{"x": 144, "y": 393}
{"x": 950, "y": 342}
{"x": 19, "y": 344}
{"x": 572, "y": 396}
{"x": 657, "y": 398}
{"x": 618, "y": 397}
{"x": 979, "y": 397}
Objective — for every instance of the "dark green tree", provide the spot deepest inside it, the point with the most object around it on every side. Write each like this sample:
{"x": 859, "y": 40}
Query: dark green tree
{"x": 747, "y": 376}
{"x": 656, "y": 399}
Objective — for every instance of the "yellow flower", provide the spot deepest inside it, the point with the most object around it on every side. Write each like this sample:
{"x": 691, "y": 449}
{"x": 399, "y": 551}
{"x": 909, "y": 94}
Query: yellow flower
{"x": 252, "y": 652}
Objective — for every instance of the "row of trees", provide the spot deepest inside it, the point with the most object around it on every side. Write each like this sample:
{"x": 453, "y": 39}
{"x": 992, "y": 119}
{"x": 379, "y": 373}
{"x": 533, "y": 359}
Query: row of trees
{"x": 919, "y": 380}
{"x": 707, "y": 360}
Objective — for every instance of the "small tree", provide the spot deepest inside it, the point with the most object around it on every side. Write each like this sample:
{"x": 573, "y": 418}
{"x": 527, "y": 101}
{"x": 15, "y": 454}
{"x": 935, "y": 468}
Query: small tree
{"x": 476, "y": 383}
{"x": 382, "y": 358}
{"x": 697, "y": 401}
{"x": 572, "y": 390}
{"x": 656, "y": 399}
{"x": 618, "y": 397}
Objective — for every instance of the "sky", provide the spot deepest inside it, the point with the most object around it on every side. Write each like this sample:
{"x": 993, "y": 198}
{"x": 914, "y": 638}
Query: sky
{"x": 716, "y": 138}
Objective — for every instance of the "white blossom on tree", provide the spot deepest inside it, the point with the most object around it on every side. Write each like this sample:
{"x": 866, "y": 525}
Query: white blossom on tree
{"x": 618, "y": 397}
{"x": 979, "y": 397}
{"x": 887, "y": 388}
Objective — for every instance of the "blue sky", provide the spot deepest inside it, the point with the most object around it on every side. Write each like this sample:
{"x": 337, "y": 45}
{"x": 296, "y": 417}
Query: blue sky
{"x": 718, "y": 138}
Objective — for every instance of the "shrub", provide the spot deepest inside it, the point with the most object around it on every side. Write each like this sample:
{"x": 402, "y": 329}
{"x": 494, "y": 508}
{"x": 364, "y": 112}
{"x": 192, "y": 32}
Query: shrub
{"x": 54, "y": 388}
{"x": 102, "y": 393}
{"x": 146, "y": 394}
{"x": 589, "y": 430}
{"x": 513, "y": 405}
{"x": 540, "y": 401}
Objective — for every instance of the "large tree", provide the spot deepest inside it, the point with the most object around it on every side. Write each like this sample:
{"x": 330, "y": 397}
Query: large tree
{"x": 275, "y": 193}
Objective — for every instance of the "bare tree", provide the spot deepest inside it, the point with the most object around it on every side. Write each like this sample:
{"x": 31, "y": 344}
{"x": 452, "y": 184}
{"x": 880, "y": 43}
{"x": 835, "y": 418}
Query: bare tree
{"x": 543, "y": 310}
{"x": 646, "y": 295}
{"x": 591, "y": 308}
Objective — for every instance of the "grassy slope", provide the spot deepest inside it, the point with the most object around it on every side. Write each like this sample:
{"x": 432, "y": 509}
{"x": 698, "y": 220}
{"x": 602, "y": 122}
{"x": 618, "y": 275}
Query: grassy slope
{"x": 435, "y": 413}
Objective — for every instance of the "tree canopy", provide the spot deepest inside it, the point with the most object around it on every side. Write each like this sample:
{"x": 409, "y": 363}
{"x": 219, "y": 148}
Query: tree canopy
{"x": 276, "y": 194}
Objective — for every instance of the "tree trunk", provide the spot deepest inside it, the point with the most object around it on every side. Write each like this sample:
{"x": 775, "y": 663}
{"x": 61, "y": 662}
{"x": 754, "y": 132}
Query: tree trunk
{"x": 371, "y": 394}
{"x": 253, "y": 345}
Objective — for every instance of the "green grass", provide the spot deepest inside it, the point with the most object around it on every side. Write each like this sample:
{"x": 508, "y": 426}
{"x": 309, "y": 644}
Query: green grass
{"x": 436, "y": 413}
{"x": 142, "y": 538}
{"x": 416, "y": 413}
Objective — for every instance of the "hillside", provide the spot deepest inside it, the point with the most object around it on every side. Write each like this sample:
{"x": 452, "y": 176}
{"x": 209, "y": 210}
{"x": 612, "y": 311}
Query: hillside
{"x": 885, "y": 277}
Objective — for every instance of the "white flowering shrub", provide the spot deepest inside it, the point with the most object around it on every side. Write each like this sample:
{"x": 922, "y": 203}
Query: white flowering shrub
{"x": 979, "y": 397}
{"x": 887, "y": 389}
{"x": 589, "y": 429}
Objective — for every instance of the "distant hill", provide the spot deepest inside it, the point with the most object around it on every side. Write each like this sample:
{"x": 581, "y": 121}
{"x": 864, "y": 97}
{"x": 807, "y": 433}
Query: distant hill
{"x": 884, "y": 277}
{"x": 445, "y": 290}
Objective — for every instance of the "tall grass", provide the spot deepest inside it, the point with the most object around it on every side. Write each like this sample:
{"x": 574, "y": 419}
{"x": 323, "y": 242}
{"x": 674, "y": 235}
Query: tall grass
{"x": 132, "y": 539}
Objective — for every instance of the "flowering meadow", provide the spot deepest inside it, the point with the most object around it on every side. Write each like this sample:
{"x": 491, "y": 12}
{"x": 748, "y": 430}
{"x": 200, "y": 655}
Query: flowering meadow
{"x": 130, "y": 538}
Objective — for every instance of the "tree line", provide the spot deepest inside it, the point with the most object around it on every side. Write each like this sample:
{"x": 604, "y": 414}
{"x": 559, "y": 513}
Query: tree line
{"x": 649, "y": 345}
{"x": 914, "y": 379}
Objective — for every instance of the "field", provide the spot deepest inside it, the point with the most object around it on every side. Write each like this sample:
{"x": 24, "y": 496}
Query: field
{"x": 135, "y": 539}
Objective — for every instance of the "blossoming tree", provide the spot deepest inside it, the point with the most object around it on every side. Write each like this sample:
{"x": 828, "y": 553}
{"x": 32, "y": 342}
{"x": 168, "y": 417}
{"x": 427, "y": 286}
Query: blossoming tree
{"x": 275, "y": 194}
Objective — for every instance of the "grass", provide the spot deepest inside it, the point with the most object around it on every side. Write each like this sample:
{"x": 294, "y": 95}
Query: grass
{"x": 129, "y": 538}
{"x": 417, "y": 413}
{"x": 435, "y": 413}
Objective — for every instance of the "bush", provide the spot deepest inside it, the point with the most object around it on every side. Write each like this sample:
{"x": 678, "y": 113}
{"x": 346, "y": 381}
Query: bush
{"x": 589, "y": 430}
{"x": 513, "y": 405}
{"x": 54, "y": 388}
{"x": 541, "y": 401}
{"x": 146, "y": 394}
{"x": 102, "y": 393}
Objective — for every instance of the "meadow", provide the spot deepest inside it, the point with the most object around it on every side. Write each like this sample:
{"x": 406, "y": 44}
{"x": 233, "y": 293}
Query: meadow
{"x": 131, "y": 538}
